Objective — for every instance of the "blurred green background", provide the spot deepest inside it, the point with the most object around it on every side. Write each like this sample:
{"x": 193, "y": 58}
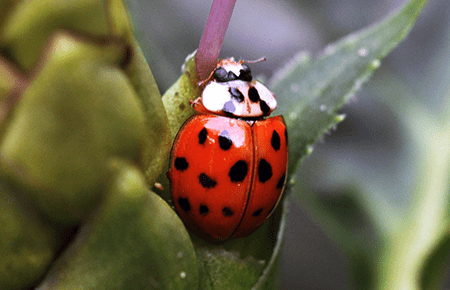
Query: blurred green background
{"x": 368, "y": 149}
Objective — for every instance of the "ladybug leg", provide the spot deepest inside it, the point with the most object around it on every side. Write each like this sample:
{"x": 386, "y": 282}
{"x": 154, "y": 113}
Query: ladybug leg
{"x": 197, "y": 105}
{"x": 158, "y": 186}
{"x": 193, "y": 102}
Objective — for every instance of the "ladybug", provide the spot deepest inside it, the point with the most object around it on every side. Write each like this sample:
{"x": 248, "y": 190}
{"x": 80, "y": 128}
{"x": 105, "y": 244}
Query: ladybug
{"x": 228, "y": 162}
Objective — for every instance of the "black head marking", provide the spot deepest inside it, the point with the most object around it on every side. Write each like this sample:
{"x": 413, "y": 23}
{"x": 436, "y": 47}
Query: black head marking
{"x": 181, "y": 164}
{"x": 226, "y": 211}
{"x": 184, "y": 204}
{"x": 202, "y": 136}
{"x": 236, "y": 94}
{"x": 253, "y": 95}
{"x": 264, "y": 107}
{"x": 258, "y": 212}
{"x": 203, "y": 209}
{"x": 275, "y": 141}
{"x": 238, "y": 171}
{"x": 229, "y": 107}
{"x": 231, "y": 76}
{"x": 281, "y": 181}
{"x": 225, "y": 141}
{"x": 206, "y": 181}
{"x": 264, "y": 170}
{"x": 221, "y": 75}
{"x": 245, "y": 74}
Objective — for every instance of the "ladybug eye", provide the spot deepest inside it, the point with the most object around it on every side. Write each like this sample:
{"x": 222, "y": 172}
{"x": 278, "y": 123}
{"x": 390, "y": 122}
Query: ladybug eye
{"x": 221, "y": 75}
{"x": 245, "y": 74}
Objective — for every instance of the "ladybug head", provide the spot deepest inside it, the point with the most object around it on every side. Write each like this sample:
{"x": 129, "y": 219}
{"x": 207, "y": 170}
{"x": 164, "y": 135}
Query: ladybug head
{"x": 229, "y": 70}
{"x": 231, "y": 91}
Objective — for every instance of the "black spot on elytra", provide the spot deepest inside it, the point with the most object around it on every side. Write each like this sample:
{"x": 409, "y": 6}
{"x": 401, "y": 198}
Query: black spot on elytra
{"x": 181, "y": 163}
{"x": 264, "y": 107}
{"x": 203, "y": 210}
{"x": 281, "y": 181}
{"x": 245, "y": 74}
{"x": 229, "y": 107}
{"x": 258, "y": 212}
{"x": 184, "y": 204}
{"x": 226, "y": 211}
{"x": 238, "y": 171}
{"x": 253, "y": 95}
{"x": 275, "y": 141}
{"x": 202, "y": 136}
{"x": 236, "y": 94}
{"x": 286, "y": 136}
{"x": 225, "y": 141}
{"x": 206, "y": 181}
{"x": 264, "y": 170}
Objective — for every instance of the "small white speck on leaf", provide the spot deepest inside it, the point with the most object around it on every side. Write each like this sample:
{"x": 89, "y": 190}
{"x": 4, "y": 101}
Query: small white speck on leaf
{"x": 363, "y": 52}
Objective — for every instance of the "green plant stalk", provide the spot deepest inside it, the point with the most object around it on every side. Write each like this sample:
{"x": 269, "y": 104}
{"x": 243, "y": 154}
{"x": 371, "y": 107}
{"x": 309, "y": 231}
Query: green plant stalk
{"x": 427, "y": 220}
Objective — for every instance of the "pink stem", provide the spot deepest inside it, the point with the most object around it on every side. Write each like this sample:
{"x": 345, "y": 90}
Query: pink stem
{"x": 212, "y": 38}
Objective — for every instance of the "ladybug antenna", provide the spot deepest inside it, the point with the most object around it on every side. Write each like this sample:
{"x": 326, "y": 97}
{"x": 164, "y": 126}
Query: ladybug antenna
{"x": 252, "y": 61}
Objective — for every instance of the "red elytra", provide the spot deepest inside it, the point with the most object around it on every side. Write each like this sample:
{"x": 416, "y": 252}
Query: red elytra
{"x": 227, "y": 174}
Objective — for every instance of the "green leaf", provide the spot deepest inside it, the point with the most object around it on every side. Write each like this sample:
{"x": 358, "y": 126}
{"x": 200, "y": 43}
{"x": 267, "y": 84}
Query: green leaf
{"x": 133, "y": 241}
{"x": 76, "y": 92}
{"x": 436, "y": 265}
{"x": 176, "y": 102}
{"x": 176, "y": 99}
{"x": 311, "y": 92}
{"x": 424, "y": 251}
{"x": 78, "y": 110}
{"x": 5, "y": 7}
{"x": 369, "y": 231}
{"x": 27, "y": 245}
{"x": 392, "y": 245}
{"x": 31, "y": 23}
{"x": 158, "y": 134}
{"x": 424, "y": 225}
